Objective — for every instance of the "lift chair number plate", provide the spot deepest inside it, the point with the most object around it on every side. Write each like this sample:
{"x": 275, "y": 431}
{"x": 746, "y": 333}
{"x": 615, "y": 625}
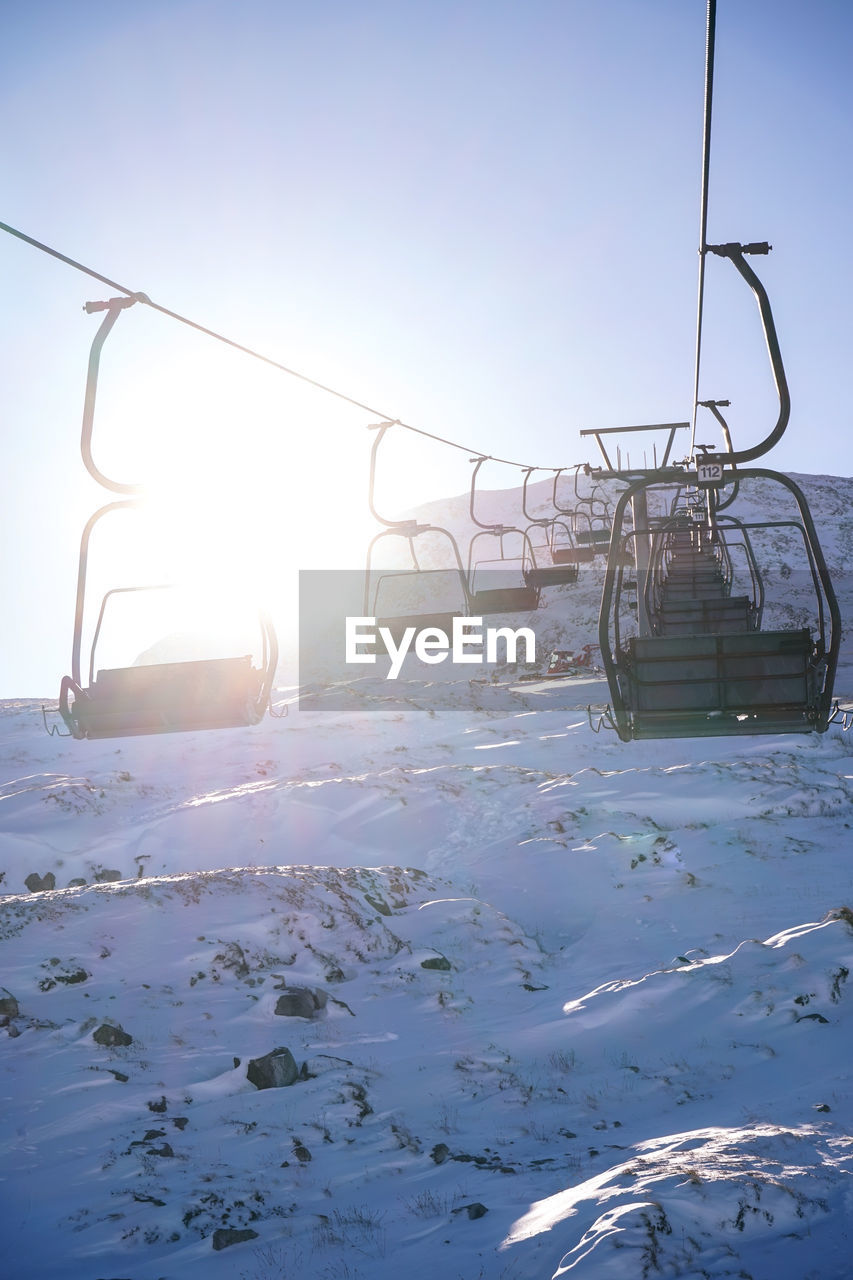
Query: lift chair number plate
{"x": 709, "y": 473}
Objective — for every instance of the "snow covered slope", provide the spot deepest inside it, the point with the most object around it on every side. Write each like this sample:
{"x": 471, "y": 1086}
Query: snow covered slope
{"x": 556, "y": 1005}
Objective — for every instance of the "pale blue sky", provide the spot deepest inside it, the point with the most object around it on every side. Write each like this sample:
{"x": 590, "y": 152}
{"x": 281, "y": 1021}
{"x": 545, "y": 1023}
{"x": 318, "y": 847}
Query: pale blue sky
{"x": 479, "y": 217}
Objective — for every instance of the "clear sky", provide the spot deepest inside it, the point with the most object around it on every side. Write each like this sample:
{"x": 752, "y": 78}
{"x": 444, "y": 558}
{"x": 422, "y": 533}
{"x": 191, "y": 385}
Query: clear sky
{"x": 480, "y": 217}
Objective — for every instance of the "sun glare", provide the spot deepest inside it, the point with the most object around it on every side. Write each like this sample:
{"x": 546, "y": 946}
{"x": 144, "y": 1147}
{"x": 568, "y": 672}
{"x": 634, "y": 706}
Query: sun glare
{"x": 246, "y": 477}
{"x": 243, "y": 488}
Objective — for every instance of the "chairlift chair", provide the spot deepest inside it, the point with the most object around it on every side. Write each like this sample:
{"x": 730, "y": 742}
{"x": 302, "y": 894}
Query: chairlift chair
{"x": 688, "y": 589}
{"x": 164, "y": 697}
{"x": 512, "y": 588}
{"x": 700, "y": 682}
{"x": 380, "y": 588}
{"x": 160, "y": 697}
{"x": 706, "y": 669}
{"x": 385, "y": 584}
{"x": 592, "y": 517}
{"x": 554, "y": 562}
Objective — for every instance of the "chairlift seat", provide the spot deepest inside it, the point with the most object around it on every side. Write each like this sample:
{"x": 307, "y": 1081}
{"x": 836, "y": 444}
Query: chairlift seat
{"x": 572, "y": 555}
{"x": 684, "y": 592}
{"x": 521, "y": 599}
{"x": 692, "y": 567}
{"x": 702, "y": 570}
{"x": 700, "y": 617}
{"x": 600, "y": 537}
{"x": 170, "y": 697}
{"x": 710, "y": 685}
{"x": 552, "y": 575}
{"x": 398, "y": 625}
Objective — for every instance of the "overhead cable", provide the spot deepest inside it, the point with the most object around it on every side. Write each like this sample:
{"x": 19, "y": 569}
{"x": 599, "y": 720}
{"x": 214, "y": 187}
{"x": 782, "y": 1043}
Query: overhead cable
{"x": 257, "y": 355}
{"x": 703, "y": 201}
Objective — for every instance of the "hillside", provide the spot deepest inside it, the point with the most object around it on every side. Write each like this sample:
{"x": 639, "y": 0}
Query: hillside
{"x": 554, "y": 1005}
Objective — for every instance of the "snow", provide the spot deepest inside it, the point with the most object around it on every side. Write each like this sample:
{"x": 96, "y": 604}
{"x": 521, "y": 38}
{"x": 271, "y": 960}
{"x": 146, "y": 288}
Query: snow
{"x": 599, "y": 990}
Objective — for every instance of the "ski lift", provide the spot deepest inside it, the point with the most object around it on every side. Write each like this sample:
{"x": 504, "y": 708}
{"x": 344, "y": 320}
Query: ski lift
{"x": 590, "y": 516}
{"x": 689, "y": 588}
{"x": 705, "y": 666}
{"x": 582, "y": 550}
{"x": 717, "y": 670}
{"x": 702, "y": 659}
{"x": 418, "y": 597}
{"x": 554, "y": 562}
{"x": 511, "y": 578}
{"x": 160, "y": 697}
{"x": 152, "y": 697}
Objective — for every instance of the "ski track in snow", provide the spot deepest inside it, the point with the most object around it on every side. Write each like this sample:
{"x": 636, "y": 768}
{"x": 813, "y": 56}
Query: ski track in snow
{"x": 599, "y": 990}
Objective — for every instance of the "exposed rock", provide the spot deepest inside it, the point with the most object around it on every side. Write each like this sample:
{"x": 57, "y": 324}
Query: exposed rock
{"x": 69, "y": 978}
{"x": 107, "y": 876}
{"x": 142, "y": 1198}
{"x": 275, "y": 1070}
{"x": 77, "y": 883}
{"x": 300, "y": 1002}
{"x": 440, "y": 1152}
{"x": 225, "y": 1236}
{"x": 158, "y": 1106}
{"x": 234, "y": 958}
{"x": 40, "y": 884}
{"x": 9, "y": 1008}
{"x": 111, "y": 1036}
{"x": 436, "y": 962}
{"x": 475, "y": 1210}
{"x": 75, "y": 975}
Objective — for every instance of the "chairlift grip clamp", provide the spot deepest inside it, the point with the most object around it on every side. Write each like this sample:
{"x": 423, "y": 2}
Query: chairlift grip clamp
{"x": 115, "y": 304}
{"x": 732, "y": 249}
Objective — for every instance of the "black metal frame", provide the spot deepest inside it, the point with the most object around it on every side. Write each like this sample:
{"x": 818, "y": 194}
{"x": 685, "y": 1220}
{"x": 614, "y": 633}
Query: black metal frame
{"x": 520, "y": 598}
{"x": 158, "y": 697}
{"x": 595, "y": 537}
{"x": 105, "y": 709}
{"x": 617, "y": 657}
{"x": 563, "y": 567}
{"x": 410, "y": 530}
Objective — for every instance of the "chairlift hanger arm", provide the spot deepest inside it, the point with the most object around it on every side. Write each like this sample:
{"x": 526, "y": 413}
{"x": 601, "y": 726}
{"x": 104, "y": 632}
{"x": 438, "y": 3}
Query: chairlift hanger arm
{"x": 735, "y": 253}
{"x": 715, "y": 406}
{"x": 112, "y": 308}
{"x": 492, "y": 528}
{"x": 381, "y": 428}
{"x": 564, "y": 511}
{"x": 528, "y": 515}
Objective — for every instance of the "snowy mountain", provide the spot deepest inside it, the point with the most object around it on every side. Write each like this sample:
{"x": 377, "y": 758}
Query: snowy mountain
{"x": 431, "y": 980}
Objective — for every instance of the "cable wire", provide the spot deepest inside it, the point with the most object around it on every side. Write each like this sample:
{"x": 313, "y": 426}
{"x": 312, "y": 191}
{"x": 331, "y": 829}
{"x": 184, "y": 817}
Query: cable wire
{"x": 257, "y": 355}
{"x": 703, "y": 215}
